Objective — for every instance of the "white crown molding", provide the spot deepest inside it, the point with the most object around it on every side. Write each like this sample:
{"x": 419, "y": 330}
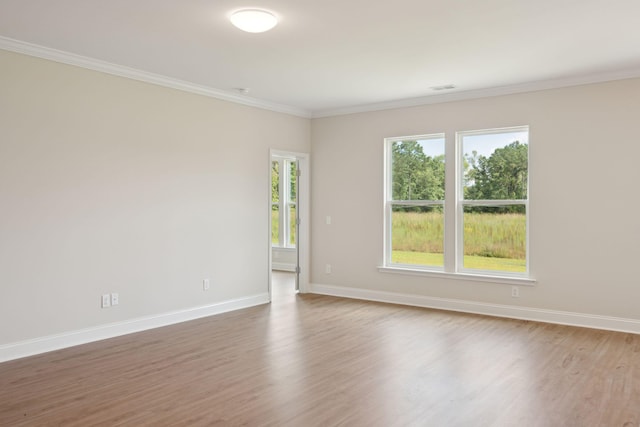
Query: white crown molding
{"x": 55, "y": 55}
{"x": 497, "y": 310}
{"x": 135, "y": 74}
{"x": 83, "y": 336}
{"x": 481, "y": 93}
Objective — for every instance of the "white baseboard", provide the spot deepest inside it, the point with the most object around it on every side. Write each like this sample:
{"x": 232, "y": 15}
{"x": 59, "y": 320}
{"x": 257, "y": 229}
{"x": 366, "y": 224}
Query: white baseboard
{"x": 68, "y": 339}
{"x": 510, "y": 311}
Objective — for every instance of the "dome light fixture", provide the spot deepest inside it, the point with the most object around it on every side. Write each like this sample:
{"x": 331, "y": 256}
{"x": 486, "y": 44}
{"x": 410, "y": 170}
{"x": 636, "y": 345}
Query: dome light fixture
{"x": 254, "y": 20}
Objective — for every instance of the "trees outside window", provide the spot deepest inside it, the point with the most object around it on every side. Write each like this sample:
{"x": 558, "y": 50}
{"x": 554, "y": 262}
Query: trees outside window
{"x": 487, "y": 202}
{"x": 417, "y": 200}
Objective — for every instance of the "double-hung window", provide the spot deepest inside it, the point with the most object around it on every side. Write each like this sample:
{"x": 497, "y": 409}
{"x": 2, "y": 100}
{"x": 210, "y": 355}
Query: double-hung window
{"x": 283, "y": 201}
{"x": 458, "y": 205}
{"x": 416, "y": 202}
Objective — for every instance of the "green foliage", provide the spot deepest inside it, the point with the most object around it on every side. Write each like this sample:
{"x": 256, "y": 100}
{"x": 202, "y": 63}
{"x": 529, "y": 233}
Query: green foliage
{"x": 416, "y": 176}
{"x": 501, "y": 176}
{"x": 293, "y": 179}
{"x": 275, "y": 182}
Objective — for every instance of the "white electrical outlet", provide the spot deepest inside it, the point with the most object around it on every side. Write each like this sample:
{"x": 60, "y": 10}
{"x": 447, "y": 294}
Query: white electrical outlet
{"x": 327, "y": 268}
{"x": 206, "y": 285}
{"x": 115, "y": 298}
{"x": 106, "y": 300}
{"x": 515, "y": 292}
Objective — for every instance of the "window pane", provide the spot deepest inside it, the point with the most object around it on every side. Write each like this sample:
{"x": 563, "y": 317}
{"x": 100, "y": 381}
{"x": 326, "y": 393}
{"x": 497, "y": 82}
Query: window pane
{"x": 275, "y": 224}
{"x": 418, "y": 169}
{"x": 292, "y": 225}
{"x": 495, "y": 165}
{"x": 275, "y": 181}
{"x": 417, "y": 235}
{"x": 495, "y": 238}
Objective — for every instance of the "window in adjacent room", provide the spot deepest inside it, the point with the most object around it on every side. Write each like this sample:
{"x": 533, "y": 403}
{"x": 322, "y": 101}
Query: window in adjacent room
{"x": 283, "y": 202}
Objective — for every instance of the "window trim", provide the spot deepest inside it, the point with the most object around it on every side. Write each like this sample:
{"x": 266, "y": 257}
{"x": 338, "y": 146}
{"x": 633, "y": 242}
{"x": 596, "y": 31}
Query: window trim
{"x": 474, "y": 277}
{"x": 454, "y": 201}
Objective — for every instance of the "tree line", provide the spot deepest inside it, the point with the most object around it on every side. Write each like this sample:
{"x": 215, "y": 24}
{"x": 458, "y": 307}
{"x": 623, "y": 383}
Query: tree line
{"x": 500, "y": 176}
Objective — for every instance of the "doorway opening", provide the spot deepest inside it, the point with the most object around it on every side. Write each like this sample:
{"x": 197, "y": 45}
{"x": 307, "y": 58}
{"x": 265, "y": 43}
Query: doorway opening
{"x": 289, "y": 217}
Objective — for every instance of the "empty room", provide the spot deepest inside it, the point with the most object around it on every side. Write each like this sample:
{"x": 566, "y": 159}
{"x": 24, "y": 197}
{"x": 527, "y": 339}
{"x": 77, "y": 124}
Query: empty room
{"x": 296, "y": 213}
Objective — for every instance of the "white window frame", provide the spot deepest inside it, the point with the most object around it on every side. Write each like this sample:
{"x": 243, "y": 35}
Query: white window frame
{"x": 390, "y": 202}
{"x": 454, "y": 204}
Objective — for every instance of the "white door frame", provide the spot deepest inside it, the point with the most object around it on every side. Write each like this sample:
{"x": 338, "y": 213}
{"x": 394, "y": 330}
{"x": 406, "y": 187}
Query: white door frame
{"x": 302, "y": 211}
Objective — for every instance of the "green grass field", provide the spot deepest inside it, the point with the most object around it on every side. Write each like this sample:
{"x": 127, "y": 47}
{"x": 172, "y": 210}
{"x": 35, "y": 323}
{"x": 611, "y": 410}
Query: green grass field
{"x": 470, "y": 261}
{"x": 491, "y": 241}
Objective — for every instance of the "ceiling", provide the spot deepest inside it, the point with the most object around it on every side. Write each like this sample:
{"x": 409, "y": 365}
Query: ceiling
{"x": 331, "y": 56}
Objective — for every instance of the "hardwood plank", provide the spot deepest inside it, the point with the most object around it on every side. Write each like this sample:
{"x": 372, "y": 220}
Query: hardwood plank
{"x": 311, "y": 360}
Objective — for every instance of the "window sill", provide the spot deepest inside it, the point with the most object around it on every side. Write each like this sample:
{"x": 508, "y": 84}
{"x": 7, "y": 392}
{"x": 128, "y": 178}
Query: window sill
{"x": 507, "y": 280}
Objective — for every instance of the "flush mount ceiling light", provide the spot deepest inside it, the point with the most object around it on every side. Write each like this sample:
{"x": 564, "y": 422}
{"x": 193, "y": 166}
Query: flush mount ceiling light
{"x": 254, "y": 20}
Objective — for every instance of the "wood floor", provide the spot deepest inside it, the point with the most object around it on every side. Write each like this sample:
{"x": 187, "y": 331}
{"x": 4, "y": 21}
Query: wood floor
{"x": 310, "y": 360}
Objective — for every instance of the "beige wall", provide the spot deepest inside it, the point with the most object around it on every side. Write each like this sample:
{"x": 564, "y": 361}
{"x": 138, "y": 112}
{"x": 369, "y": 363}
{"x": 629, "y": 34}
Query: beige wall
{"x": 584, "y": 156}
{"x": 113, "y": 185}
